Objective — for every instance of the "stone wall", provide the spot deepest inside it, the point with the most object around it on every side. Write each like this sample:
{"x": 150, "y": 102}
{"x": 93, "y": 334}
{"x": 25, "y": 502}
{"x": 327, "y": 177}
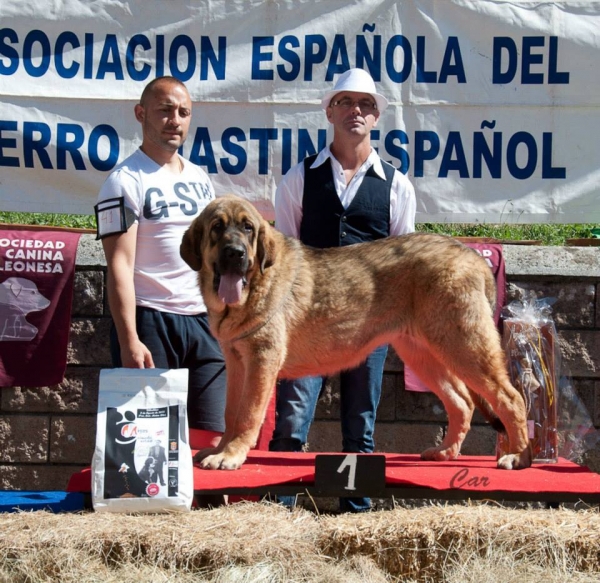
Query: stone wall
{"x": 48, "y": 433}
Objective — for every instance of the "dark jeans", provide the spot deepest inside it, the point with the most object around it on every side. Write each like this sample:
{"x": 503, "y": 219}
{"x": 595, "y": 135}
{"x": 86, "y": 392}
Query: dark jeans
{"x": 360, "y": 391}
{"x": 180, "y": 341}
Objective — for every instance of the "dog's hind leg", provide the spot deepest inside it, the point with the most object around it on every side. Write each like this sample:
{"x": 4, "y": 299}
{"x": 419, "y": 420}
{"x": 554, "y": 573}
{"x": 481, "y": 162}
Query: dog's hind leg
{"x": 478, "y": 360}
{"x": 450, "y": 390}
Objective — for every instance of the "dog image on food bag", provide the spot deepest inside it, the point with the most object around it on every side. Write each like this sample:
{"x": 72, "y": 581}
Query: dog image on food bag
{"x": 281, "y": 309}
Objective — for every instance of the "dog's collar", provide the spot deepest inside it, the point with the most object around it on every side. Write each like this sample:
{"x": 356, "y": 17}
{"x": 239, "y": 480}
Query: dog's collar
{"x": 256, "y": 328}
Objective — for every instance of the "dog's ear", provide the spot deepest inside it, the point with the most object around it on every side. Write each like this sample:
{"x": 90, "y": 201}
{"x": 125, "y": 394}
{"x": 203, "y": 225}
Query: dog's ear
{"x": 190, "y": 246}
{"x": 266, "y": 246}
{"x": 14, "y": 286}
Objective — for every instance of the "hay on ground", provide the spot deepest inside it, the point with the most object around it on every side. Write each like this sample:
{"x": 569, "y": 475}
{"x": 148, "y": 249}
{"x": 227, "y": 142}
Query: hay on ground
{"x": 266, "y": 543}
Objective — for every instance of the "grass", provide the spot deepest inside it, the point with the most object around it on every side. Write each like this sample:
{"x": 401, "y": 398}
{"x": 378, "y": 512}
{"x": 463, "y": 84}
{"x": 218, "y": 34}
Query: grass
{"x": 49, "y": 220}
{"x": 547, "y": 234}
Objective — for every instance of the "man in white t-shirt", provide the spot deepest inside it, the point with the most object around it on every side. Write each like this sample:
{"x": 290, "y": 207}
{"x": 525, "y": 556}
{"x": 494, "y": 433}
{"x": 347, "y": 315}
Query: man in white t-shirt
{"x": 143, "y": 210}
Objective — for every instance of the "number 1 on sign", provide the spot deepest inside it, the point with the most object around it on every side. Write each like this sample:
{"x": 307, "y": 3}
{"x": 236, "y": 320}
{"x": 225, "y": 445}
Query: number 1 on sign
{"x": 350, "y": 463}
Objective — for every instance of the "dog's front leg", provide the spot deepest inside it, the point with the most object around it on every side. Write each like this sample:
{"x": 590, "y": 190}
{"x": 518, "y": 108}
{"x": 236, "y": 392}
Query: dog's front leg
{"x": 248, "y": 394}
{"x": 210, "y": 458}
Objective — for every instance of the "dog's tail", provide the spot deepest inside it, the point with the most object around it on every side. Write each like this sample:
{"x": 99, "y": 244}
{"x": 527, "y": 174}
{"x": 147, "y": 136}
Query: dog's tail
{"x": 487, "y": 412}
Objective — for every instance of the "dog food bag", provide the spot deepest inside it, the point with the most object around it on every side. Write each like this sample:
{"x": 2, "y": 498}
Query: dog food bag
{"x": 142, "y": 461}
{"x": 531, "y": 348}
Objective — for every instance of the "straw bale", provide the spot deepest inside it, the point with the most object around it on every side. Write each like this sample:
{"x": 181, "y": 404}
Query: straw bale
{"x": 187, "y": 542}
{"x": 266, "y": 543}
{"x": 421, "y": 542}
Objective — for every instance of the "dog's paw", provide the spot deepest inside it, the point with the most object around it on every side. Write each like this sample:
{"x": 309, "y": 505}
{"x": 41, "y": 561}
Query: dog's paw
{"x": 223, "y": 457}
{"x": 226, "y": 456}
{"x": 440, "y": 454}
{"x": 516, "y": 461}
{"x": 201, "y": 454}
{"x": 222, "y": 461}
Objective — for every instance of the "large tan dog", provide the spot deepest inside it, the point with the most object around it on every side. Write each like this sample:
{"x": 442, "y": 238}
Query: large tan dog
{"x": 282, "y": 309}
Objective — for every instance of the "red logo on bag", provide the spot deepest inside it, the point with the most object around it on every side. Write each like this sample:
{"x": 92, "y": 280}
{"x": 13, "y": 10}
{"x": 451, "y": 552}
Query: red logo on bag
{"x": 129, "y": 430}
{"x": 152, "y": 489}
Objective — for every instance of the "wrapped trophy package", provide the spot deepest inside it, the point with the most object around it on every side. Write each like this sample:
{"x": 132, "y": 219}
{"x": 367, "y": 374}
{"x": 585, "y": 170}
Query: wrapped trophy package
{"x": 142, "y": 461}
{"x": 558, "y": 421}
{"x": 531, "y": 347}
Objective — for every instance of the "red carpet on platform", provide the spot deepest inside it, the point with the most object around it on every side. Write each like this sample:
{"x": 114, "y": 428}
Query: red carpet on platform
{"x": 406, "y": 476}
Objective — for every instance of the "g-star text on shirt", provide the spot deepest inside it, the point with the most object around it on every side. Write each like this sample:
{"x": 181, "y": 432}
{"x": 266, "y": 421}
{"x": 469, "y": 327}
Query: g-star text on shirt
{"x": 183, "y": 199}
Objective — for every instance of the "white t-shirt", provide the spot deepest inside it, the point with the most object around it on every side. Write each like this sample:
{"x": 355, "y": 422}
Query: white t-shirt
{"x": 165, "y": 204}
{"x": 290, "y": 192}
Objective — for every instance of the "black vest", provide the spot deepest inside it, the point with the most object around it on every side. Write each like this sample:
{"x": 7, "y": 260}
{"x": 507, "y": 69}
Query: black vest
{"x": 325, "y": 223}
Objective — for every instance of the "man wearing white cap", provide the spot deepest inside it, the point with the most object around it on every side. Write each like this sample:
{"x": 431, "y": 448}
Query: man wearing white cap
{"x": 344, "y": 195}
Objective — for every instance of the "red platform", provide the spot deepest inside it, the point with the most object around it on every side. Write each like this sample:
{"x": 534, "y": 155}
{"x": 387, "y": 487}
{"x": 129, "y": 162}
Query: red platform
{"x": 406, "y": 476}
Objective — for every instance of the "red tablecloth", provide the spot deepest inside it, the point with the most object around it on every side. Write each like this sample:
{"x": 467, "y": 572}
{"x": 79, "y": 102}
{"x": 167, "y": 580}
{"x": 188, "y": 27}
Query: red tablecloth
{"x": 468, "y": 473}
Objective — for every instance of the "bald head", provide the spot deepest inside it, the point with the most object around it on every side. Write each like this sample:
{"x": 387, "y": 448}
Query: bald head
{"x": 157, "y": 83}
{"x": 164, "y": 110}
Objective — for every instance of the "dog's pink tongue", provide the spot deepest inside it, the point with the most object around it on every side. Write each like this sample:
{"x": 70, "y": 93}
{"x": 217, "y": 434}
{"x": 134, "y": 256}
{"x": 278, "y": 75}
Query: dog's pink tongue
{"x": 230, "y": 289}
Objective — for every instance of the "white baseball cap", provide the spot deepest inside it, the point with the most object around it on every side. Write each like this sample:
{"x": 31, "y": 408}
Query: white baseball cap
{"x": 358, "y": 81}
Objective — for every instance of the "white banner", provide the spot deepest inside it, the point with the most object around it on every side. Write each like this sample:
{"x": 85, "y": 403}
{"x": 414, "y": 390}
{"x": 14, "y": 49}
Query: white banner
{"x": 494, "y": 106}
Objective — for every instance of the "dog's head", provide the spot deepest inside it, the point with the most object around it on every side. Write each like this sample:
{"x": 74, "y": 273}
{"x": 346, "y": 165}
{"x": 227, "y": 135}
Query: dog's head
{"x": 229, "y": 241}
{"x": 23, "y": 295}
